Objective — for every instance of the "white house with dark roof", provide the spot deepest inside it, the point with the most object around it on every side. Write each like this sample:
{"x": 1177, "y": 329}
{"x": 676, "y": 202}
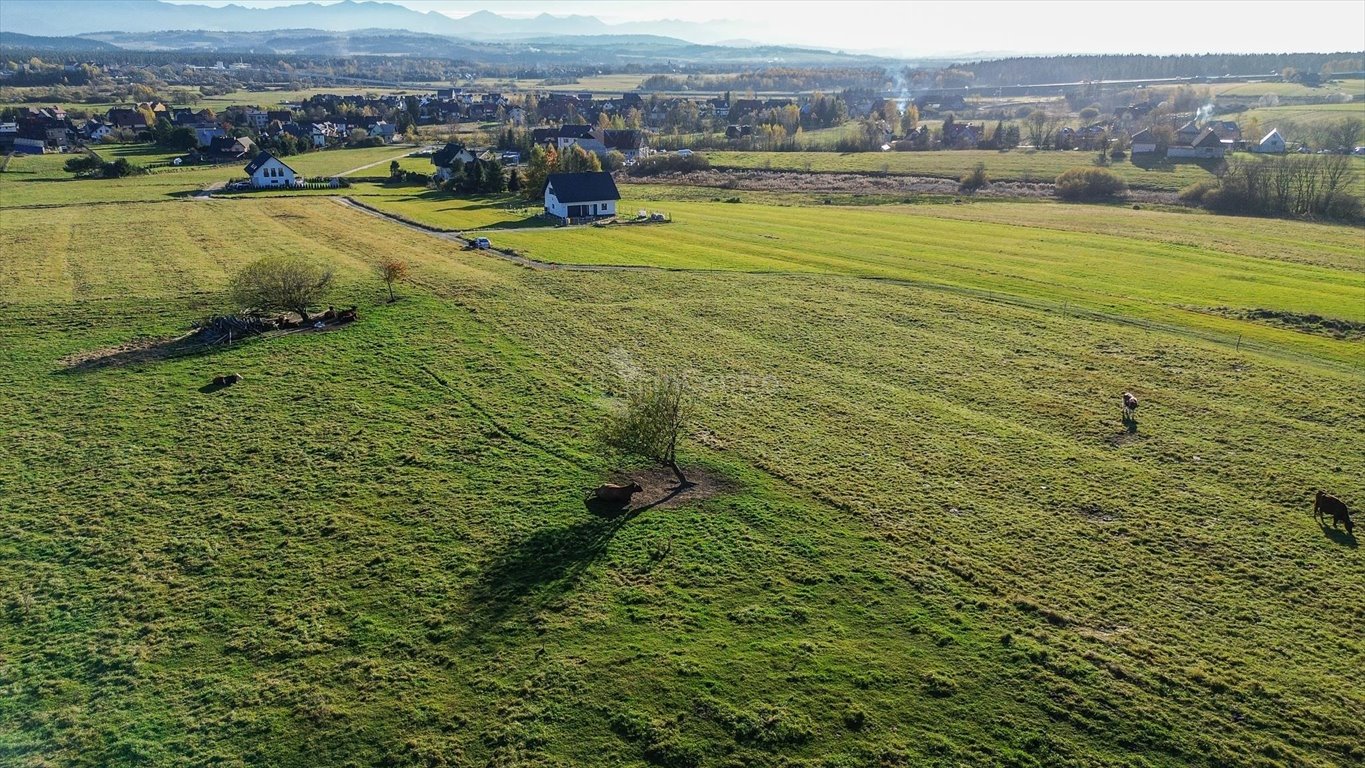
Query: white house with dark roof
{"x": 267, "y": 171}
{"x": 574, "y": 197}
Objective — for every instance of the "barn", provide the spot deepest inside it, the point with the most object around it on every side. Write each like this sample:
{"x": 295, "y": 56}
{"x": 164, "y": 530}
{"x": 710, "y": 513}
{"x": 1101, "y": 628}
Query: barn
{"x": 575, "y": 197}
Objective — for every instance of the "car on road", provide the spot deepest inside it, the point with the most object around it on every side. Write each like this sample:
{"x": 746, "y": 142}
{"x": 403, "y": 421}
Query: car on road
{"x": 480, "y": 243}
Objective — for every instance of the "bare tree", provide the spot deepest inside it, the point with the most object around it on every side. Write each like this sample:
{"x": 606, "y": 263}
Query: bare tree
{"x": 285, "y": 283}
{"x": 1041, "y": 126}
{"x": 391, "y": 271}
{"x": 651, "y": 421}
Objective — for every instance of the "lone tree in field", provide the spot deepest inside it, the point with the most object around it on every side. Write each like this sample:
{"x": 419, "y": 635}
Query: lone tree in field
{"x": 651, "y": 421}
{"x": 285, "y": 283}
{"x": 391, "y": 271}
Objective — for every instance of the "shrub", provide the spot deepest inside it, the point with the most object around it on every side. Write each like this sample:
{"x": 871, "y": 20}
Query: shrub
{"x": 1194, "y": 194}
{"x": 974, "y": 180}
{"x": 670, "y": 163}
{"x": 1088, "y": 184}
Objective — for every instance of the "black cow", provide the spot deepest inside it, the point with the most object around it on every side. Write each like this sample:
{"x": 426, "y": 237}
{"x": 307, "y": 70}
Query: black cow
{"x": 1326, "y": 504}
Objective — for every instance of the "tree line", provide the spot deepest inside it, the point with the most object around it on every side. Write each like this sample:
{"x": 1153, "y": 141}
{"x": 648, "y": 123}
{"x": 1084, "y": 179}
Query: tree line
{"x": 1027, "y": 70}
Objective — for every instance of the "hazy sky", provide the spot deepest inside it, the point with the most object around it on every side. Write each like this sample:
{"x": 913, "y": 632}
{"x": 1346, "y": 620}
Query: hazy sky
{"x": 937, "y": 27}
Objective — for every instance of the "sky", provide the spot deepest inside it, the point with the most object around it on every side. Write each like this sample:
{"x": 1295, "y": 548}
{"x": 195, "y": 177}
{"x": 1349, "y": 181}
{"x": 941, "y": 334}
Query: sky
{"x": 936, "y": 27}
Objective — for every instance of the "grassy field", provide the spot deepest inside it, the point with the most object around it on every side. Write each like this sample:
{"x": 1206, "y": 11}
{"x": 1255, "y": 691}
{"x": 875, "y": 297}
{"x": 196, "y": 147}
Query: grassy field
{"x": 1305, "y": 114}
{"x": 1355, "y": 88}
{"x": 1018, "y": 165}
{"x": 934, "y": 542}
{"x": 39, "y": 180}
{"x": 1085, "y": 256}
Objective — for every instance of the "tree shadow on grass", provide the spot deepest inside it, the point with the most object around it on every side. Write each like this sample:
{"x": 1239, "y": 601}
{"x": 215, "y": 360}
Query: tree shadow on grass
{"x": 138, "y": 352}
{"x": 537, "y": 570}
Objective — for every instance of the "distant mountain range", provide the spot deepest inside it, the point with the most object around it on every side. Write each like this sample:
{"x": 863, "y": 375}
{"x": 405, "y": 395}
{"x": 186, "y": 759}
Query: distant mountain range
{"x": 563, "y": 50}
{"x": 75, "y": 17}
{"x": 37, "y": 43}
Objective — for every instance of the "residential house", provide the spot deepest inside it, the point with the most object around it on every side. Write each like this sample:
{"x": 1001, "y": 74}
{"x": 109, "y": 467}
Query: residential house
{"x": 267, "y": 171}
{"x": 231, "y": 147}
{"x": 568, "y": 135}
{"x": 205, "y": 134}
{"x": 1188, "y": 133}
{"x": 1143, "y": 142}
{"x": 1207, "y": 145}
{"x": 446, "y": 159}
{"x": 95, "y": 129}
{"x": 628, "y": 142}
{"x": 1271, "y": 144}
{"x": 382, "y": 129}
{"x": 1228, "y": 131}
{"x": 575, "y": 197}
{"x": 124, "y": 117}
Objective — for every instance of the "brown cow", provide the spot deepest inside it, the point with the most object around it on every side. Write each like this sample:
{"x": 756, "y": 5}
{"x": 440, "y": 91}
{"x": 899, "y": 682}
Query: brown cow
{"x": 613, "y": 493}
{"x": 1326, "y": 504}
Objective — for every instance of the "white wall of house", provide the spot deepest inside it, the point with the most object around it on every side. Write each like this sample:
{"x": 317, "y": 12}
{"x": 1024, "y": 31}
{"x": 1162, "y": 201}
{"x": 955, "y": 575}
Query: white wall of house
{"x": 554, "y": 207}
{"x": 1195, "y": 152}
{"x": 1273, "y": 144}
{"x": 273, "y": 173}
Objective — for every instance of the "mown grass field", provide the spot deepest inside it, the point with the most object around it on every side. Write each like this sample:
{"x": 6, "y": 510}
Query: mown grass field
{"x": 39, "y": 180}
{"x": 1017, "y": 165}
{"x": 1303, "y": 115}
{"x": 1355, "y": 88}
{"x": 1085, "y": 256}
{"x": 937, "y": 544}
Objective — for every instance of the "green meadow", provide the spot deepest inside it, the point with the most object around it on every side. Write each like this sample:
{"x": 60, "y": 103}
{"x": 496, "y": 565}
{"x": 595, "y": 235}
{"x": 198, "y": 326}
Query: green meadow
{"x": 932, "y": 541}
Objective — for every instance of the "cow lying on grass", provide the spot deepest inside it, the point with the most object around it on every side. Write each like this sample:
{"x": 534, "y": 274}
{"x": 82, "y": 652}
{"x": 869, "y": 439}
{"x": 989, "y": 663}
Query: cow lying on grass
{"x": 1326, "y": 504}
{"x": 612, "y": 493}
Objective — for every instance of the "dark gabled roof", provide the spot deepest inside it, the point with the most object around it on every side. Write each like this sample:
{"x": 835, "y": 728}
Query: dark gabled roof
{"x": 261, "y": 160}
{"x": 622, "y": 139}
{"x": 1143, "y": 136}
{"x": 583, "y": 187}
{"x": 1207, "y": 139}
{"x": 575, "y": 131}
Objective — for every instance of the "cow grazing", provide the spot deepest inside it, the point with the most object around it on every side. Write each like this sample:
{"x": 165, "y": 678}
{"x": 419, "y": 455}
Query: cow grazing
{"x": 223, "y": 381}
{"x": 613, "y": 493}
{"x": 1130, "y": 405}
{"x": 1326, "y": 504}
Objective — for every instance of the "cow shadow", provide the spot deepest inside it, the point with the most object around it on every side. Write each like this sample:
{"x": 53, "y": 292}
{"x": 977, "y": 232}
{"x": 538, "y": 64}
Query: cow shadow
{"x": 534, "y": 572}
{"x": 1339, "y": 536}
{"x": 1130, "y": 424}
